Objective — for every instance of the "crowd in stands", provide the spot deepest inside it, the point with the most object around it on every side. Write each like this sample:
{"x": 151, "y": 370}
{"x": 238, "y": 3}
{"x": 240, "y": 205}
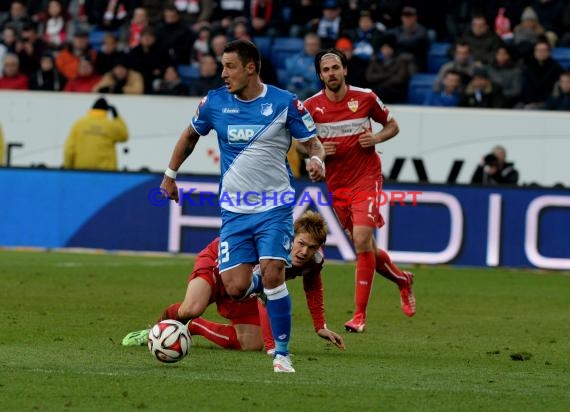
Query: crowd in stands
{"x": 500, "y": 51}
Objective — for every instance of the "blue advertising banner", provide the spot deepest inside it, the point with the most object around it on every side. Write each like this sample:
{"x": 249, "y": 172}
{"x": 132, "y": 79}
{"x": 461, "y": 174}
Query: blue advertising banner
{"x": 426, "y": 224}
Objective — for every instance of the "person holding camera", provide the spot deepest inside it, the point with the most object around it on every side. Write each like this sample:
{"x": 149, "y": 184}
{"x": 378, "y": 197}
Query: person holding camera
{"x": 495, "y": 170}
{"x": 92, "y": 139}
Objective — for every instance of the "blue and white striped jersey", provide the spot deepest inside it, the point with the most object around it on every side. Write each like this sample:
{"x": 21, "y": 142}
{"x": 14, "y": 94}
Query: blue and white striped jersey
{"x": 254, "y": 137}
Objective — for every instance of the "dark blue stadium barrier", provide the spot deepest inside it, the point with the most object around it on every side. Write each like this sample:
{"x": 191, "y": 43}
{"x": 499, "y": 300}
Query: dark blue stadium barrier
{"x": 419, "y": 86}
{"x": 284, "y": 47}
{"x": 459, "y": 225}
{"x": 188, "y": 73}
{"x": 437, "y": 56}
{"x": 96, "y": 38}
{"x": 264, "y": 45}
{"x": 562, "y": 56}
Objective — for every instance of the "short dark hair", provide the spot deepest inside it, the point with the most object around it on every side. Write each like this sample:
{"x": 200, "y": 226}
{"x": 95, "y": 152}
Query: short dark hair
{"x": 246, "y": 51}
{"x": 322, "y": 53}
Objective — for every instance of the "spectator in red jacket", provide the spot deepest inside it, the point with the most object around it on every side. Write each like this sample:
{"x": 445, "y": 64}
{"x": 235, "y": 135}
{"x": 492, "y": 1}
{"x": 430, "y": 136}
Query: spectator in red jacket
{"x": 11, "y": 78}
{"x": 86, "y": 78}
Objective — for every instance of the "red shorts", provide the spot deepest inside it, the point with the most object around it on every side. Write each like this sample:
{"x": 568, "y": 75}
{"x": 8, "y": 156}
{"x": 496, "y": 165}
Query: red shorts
{"x": 359, "y": 205}
{"x": 237, "y": 312}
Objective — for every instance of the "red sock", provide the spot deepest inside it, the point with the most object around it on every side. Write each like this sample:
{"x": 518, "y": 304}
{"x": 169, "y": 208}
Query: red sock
{"x": 364, "y": 276}
{"x": 222, "y": 335}
{"x": 266, "y": 332}
{"x": 386, "y": 268}
{"x": 171, "y": 312}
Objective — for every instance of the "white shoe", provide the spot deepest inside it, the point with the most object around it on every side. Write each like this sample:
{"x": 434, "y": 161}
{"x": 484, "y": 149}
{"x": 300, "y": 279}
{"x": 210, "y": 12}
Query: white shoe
{"x": 271, "y": 352}
{"x": 282, "y": 364}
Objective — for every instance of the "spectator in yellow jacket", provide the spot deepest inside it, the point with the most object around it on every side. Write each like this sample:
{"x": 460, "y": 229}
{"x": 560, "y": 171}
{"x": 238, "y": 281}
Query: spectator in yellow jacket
{"x": 91, "y": 141}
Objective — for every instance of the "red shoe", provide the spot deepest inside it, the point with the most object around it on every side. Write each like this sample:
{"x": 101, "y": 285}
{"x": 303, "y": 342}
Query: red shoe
{"x": 407, "y": 299}
{"x": 356, "y": 325}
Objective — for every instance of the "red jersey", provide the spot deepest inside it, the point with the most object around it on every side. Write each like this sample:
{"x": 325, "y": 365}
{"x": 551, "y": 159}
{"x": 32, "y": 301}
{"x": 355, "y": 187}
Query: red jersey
{"x": 313, "y": 286}
{"x": 343, "y": 122}
{"x": 206, "y": 267}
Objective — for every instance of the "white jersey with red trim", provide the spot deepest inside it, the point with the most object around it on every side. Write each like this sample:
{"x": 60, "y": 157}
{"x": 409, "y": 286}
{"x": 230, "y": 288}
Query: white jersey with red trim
{"x": 343, "y": 122}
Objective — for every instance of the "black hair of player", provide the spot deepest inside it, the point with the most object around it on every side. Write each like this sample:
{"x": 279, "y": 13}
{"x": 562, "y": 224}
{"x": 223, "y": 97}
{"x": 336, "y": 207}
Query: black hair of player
{"x": 246, "y": 51}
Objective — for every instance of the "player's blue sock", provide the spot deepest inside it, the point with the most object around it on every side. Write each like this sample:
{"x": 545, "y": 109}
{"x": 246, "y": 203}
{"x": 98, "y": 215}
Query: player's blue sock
{"x": 256, "y": 286}
{"x": 279, "y": 311}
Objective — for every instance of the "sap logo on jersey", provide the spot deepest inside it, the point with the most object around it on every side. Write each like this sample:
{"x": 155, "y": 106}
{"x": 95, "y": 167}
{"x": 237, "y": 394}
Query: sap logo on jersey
{"x": 242, "y": 133}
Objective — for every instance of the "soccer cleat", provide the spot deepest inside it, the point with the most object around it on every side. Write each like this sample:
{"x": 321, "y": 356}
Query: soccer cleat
{"x": 138, "y": 338}
{"x": 356, "y": 325}
{"x": 282, "y": 364}
{"x": 270, "y": 352}
{"x": 407, "y": 299}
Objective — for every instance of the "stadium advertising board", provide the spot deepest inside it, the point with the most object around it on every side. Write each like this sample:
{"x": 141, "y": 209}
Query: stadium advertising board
{"x": 425, "y": 224}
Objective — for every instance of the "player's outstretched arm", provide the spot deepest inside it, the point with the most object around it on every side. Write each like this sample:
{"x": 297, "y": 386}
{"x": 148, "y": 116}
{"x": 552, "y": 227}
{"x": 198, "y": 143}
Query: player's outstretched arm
{"x": 334, "y": 337}
{"x": 184, "y": 147}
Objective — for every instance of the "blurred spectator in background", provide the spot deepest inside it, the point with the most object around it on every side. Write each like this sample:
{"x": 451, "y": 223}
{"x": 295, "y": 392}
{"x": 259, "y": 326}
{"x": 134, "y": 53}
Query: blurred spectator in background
{"x": 136, "y": 26}
{"x": 412, "y": 42}
{"x": 458, "y": 18}
{"x": 12, "y": 78}
{"x": 356, "y": 67}
{"x": 565, "y": 39}
{"x": 225, "y": 12}
{"x": 300, "y": 68}
{"x": 170, "y": 84}
{"x": 55, "y": 25}
{"x": 560, "y": 98}
{"x": 85, "y": 80}
{"x": 201, "y": 45}
{"x": 265, "y": 17}
{"x": 549, "y": 14}
{"x": 108, "y": 15}
{"x": 481, "y": 92}
{"x": 148, "y": 58}
{"x": 239, "y": 29}
{"x": 195, "y": 13}
{"x": 503, "y": 26}
{"x": 109, "y": 55}
{"x": 47, "y": 78}
{"x": 174, "y": 37}
{"x": 37, "y": 9}
{"x": 527, "y": 33}
{"x": 330, "y": 25}
{"x": 388, "y": 12}
{"x": 209, "y": 77}
{"x": 540, "y": 75}
{"x": 493, "y": 169}
{"x": 482, "y": 41}
{"x": 67, "y": 60}
{"x": 388, "y": 74}
{"x": 449, "y": 92}
{"x": 30, "y": 49}
{"x": 8, "y": 43}
{"x": 92, "y": 139}
{"x": 461, "y": 63}
{"x": 121, "y": 80}
{"x": 305, "y": 14}
{"x": 17, "y": 16}
{"x": 154, "y": 10}
{"x": 217, "y": 45}
{"x": 366, "y": 37}
{"x": 507, "y": 74}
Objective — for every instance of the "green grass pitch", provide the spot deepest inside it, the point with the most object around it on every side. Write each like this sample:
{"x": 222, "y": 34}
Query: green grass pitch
{"x": 63, "y": 316}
